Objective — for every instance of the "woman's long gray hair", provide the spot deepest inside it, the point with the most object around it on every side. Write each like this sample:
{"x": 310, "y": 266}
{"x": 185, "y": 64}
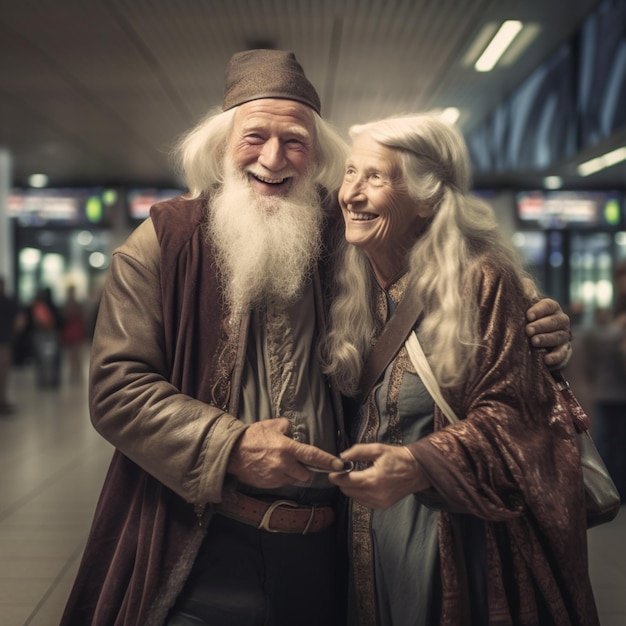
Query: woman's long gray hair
{"x": 435, "y": 166}
{"x": 199, "y": 154}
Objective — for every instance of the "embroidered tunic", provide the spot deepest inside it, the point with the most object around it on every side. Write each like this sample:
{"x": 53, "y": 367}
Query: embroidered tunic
{"x": 386, "y": 544}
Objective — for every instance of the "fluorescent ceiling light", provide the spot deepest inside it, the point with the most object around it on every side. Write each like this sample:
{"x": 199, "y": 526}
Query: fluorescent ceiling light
{"x": 498, "y": 45}
{"x": 520, "y": 44}
{"x": 479, "y": 44}
{"x": 602, "y": 162}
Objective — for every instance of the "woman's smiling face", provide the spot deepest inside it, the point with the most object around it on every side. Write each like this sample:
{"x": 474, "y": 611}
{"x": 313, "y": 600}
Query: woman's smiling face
{"x": 380, "y": 216}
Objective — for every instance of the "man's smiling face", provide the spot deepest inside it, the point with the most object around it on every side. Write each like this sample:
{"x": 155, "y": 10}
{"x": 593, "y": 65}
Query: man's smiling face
{"x": 272, "y": 144}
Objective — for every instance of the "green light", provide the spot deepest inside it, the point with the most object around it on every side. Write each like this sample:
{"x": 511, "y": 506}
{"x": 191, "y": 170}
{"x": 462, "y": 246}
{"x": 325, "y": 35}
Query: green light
{"x": 109, "y": 197}
{"x": 612, "y": 212}
{"x": 93, "y": 209}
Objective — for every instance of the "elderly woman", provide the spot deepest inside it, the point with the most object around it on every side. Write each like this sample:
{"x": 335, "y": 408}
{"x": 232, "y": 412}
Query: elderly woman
{"x": 480, "y": 521}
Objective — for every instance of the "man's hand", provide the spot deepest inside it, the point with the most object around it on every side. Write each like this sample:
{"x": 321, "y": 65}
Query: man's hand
{"x": 393, "y": 474}
{"x": 266, "y": 457}
{"x": 549, "y": 328}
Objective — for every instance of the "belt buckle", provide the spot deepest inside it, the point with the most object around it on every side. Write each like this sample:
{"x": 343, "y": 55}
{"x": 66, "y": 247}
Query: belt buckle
{"x": 264, "y": 524}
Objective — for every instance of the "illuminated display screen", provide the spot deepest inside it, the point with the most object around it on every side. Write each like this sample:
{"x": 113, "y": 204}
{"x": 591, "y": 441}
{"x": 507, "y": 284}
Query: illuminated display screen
{"x": 140, "y": 200}
{"x": 64, "y": 207}
{"x": 570, "y": 209}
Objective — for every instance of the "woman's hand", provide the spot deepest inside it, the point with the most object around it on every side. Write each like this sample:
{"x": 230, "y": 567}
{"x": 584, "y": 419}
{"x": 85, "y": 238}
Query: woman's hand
{"x": 392, "y": 474}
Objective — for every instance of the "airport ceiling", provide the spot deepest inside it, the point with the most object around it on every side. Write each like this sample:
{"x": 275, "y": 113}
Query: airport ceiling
{"x": 96, "y": 91}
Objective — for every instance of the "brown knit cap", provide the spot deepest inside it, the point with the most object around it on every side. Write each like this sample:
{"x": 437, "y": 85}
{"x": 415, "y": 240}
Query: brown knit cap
{"x": 256, "y": 74}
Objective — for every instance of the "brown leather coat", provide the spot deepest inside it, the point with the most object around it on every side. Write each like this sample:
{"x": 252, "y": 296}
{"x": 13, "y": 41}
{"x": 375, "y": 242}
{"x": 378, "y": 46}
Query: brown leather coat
{"x": 164, "y": 388}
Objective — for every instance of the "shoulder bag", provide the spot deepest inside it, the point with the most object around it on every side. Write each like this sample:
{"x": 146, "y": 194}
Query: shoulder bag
{"x": 601, "y": 495}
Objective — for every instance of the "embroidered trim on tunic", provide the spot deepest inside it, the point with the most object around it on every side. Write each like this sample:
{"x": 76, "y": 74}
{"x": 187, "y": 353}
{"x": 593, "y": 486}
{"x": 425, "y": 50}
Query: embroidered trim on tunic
{"x": 227, "y": 356}
{"x": 362, "y": 547}
{"x": 280, "y": 354}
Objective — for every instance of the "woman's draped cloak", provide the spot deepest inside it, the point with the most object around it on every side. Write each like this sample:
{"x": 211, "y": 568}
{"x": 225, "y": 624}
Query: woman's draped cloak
{"x": 512, "y": 461}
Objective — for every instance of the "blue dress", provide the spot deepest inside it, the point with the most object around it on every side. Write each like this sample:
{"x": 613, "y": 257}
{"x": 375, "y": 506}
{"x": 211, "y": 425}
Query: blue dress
{"x": 394, "y": 560}
{"x": 395, "y": 577}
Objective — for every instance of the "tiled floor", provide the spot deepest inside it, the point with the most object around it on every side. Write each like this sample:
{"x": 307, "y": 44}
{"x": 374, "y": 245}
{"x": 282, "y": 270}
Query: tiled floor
{"x": 52, "y": 464}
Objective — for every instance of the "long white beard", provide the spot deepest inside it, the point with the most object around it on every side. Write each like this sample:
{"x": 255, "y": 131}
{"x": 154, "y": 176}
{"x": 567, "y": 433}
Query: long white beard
{"x": 265, "y": 245}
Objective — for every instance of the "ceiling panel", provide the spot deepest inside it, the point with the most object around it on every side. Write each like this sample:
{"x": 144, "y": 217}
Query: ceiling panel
{"x": 97, "y": 92}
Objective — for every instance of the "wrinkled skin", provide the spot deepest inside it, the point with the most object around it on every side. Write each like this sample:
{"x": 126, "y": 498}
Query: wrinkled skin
{"x": 548, "y": 327}
{"x": 265, "y": 456}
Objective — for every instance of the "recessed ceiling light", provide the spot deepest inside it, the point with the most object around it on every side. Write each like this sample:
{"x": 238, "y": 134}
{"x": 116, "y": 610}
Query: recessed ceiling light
{"x": 552, "y": 182}
{"x": 38, "y": 180}
{"x": 450, "y": 114}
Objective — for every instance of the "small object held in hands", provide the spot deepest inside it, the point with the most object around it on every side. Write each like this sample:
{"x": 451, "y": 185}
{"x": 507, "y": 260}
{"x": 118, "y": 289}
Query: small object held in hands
{"x": 348, "y": 466}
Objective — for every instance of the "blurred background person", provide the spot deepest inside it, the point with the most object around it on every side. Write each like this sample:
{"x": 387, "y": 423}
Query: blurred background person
{"x": 8, "y": 322}
{"x": 46, "y": 325}
{"x": 603, "y": 360}
{"x": 73, "y": 335}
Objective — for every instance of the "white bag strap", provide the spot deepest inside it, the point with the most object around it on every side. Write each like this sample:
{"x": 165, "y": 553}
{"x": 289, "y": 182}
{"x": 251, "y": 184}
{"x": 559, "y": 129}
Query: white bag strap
{"x": 422, "y": 367}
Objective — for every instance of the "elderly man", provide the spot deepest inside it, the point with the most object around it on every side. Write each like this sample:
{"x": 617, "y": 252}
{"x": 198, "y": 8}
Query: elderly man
{"x": 206, "y": 380}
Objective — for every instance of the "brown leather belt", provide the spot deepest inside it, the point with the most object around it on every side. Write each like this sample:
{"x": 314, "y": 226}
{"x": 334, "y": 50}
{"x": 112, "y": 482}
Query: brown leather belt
{"x": 279, "y": 516}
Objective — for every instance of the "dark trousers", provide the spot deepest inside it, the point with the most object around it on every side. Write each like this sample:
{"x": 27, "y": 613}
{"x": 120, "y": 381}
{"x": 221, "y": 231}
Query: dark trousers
{"x": 248, "y": 577}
